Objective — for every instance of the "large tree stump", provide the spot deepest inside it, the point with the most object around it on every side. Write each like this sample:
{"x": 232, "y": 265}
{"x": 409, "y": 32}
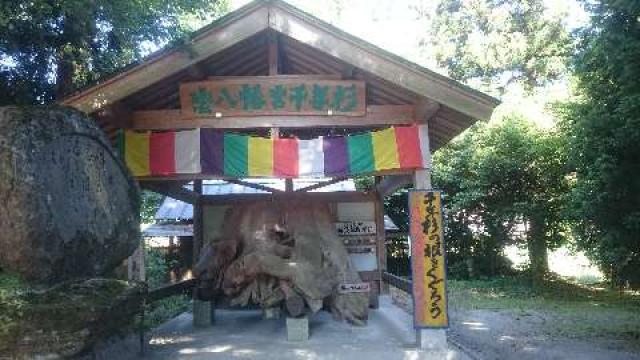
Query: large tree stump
{"x": 282, "y": 253}
{"x": 68, "y": 206}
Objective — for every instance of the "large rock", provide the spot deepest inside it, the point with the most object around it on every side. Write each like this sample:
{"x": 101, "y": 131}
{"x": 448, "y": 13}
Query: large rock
{"x": 68, "y": 206}
{"x": 68, "y": 319}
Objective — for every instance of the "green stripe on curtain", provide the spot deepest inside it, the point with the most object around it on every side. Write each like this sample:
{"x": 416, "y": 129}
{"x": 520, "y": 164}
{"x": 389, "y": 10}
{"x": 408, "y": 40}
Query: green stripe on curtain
{"x": 236, "y": 152}
{"x": 360, "y": 154}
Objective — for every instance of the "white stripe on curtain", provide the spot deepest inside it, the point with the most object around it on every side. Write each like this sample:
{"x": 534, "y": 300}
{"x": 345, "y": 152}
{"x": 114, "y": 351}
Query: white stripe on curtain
{"x": 188, "y": 152}
{"x": 310, "y": 157}
{"x": 423, "y": 133}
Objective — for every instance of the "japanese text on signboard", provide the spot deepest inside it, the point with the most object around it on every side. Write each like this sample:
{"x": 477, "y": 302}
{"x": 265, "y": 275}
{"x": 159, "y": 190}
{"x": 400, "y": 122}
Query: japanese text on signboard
{"x": 428, "y": 261}
{"x": 263, "y": 96}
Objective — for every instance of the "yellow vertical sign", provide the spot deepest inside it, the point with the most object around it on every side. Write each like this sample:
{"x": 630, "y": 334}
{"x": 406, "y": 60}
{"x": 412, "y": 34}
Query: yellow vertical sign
{"x": 428, "y": 259}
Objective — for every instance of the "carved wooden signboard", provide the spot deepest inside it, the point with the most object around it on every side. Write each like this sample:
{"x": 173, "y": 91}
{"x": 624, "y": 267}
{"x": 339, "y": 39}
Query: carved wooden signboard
{"x": 272, "y": 96}
{"x": 428, "y": 259}
{"x": 355, "y": 228}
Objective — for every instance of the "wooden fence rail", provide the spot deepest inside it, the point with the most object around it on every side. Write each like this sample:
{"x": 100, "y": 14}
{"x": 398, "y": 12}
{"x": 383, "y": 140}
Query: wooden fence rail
{"x": 398, "y": 282}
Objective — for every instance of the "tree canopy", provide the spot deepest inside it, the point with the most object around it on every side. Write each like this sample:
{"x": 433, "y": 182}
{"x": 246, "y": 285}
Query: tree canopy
{"x": 506, "y": 184}
{"x": 603, "y": 126}
{"x": 50, "y": 48}
{"x": 496, "y": 42}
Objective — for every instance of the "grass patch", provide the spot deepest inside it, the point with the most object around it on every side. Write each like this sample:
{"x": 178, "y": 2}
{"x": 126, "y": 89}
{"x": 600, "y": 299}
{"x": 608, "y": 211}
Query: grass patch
{"x": 160, "y": 311}
{"x": 157, "y": 269}
{"x": 569, "y": 309}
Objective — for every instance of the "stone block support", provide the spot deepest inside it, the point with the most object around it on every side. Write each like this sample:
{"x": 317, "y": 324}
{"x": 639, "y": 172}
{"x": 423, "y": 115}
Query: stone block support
{"x": 203, "y": 313}
{"x": 432, "y": 339}
{"x": 298, "y": 329}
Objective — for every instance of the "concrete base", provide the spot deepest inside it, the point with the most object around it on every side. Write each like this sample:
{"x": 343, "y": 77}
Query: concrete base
{"x": 241, "y": 334}
{"x": 271, "y": 313}
{"x": 203, "y": 313}
{"x": 432, "y": 339}
{"x": 298, "y": 329}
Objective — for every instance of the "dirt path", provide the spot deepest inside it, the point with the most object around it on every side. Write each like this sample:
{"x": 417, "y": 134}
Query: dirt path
{"x": 506, "y": 334}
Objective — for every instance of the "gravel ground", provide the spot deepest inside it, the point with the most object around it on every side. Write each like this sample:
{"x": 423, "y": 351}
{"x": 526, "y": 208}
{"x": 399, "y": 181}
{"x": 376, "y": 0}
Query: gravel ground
{"x": 521, "y": 335}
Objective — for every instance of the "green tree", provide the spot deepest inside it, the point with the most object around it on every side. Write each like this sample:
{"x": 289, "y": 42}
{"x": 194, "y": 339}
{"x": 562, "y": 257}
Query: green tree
{"x": 50, "y": 48}
{"x": 507, "y": 181}
{"x": 496, "y": 42}
{"x": 149, "y": 203}
{"x": 604, "y": 130}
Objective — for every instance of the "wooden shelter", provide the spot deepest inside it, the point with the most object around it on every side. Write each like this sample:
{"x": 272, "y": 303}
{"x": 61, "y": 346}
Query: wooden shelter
{"x": 271, "y": 44}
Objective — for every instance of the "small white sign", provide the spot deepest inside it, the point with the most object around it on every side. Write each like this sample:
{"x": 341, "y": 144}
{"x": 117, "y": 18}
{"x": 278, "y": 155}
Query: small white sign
{"x": 353, "y": 288}
{"x": 356, "y": 228}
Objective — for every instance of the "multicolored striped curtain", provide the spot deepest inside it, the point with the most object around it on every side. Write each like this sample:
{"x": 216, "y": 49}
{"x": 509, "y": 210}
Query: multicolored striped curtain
{"x": 225, "y": 154}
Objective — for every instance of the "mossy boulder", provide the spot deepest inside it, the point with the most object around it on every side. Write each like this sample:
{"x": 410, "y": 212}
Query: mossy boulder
{"x": 66, "y": 320}
{"x": 68, "y": 206}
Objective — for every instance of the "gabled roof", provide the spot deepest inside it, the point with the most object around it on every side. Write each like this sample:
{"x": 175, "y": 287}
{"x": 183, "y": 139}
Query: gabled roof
{"x": 314, "y": 46}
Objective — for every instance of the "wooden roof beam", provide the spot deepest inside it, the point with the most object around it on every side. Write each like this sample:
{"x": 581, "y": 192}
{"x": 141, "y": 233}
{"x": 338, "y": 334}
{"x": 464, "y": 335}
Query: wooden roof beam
{"x": 253, "y": 185}
{"x": 321, "y": 184}
{"x": 117, "y": 115}
{"x": 196, "y": 72}
{"x": 172, "y": 119}
{"x": 338, "y": 196}
{"x": 389, "y": 184}
{"x": 172, "y": 189}
{"x": 426, "y": 109}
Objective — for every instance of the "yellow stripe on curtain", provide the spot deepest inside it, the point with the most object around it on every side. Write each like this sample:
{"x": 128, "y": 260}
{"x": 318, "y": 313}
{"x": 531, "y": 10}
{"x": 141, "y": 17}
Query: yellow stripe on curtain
{"x": 260, "y": 156}
{"x": 385, "y": 150}
{"x": 137, "y": 153}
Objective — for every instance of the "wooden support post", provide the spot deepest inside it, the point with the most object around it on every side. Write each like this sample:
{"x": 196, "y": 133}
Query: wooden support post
{"x": 197, "y": 220}
{"x": 203, "y": 311}
{"x": 274, "y": 62}
{"x": 430, "y": 339}
{"x": 381, "y": 248}
{"x": 274, "y": 58}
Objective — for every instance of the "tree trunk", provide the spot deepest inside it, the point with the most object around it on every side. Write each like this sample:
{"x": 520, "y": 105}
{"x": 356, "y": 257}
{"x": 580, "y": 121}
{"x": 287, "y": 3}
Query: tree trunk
{"x": 77, "y": 35}
{"x": 537, "y": 248}
{"x": 64, "y": 74}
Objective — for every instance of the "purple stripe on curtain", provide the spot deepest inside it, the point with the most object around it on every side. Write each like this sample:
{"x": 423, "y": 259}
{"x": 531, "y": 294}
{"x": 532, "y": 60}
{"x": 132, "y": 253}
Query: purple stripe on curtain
{"x": 336, "y": 158}
{"x": 212, "y": 151}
